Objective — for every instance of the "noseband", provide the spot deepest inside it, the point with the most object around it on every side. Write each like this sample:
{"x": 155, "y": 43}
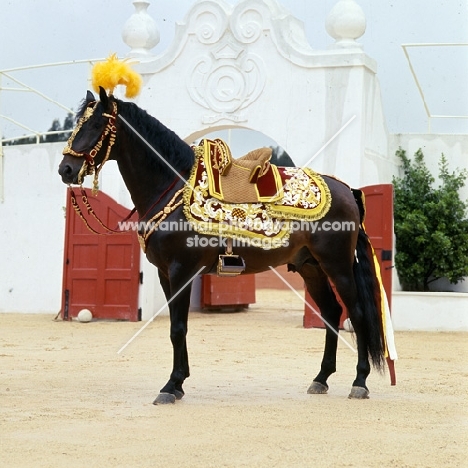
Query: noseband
{"x": 89, "y": 166}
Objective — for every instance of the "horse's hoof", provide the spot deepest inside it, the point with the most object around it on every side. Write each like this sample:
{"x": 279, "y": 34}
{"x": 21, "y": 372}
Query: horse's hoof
{"x": 317, "y": 388}
{"x": 179, "y": 395}
{"x": 359, "y": 393}
{"x": 164, "y": 399}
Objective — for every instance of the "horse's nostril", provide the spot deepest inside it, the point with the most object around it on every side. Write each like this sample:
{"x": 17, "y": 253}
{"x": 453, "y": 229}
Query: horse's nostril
{"x": 66, "y": 172}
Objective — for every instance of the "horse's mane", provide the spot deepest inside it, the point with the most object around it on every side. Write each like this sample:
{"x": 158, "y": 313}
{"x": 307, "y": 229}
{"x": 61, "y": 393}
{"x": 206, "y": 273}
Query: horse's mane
{"x": 177, "y": 153}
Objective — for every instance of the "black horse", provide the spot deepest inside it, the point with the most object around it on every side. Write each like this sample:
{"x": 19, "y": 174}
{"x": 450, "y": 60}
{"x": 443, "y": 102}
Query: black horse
{"x": 114, "y": 129}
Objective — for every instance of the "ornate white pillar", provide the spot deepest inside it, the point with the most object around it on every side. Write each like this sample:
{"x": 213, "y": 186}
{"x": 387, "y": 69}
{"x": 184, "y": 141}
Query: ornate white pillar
{"x": 140, "y": 31}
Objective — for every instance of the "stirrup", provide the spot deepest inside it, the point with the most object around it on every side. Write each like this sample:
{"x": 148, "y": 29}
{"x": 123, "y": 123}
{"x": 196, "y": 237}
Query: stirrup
{"x": 230, "y": 264}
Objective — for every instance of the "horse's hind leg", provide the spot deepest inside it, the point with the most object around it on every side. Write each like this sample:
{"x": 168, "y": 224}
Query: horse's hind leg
{"x": 320, "y": 290}
{"x": 343, "y": 279}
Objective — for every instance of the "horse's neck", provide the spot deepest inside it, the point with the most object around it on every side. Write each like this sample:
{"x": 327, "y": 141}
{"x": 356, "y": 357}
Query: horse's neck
{"x": 147, "y": 185}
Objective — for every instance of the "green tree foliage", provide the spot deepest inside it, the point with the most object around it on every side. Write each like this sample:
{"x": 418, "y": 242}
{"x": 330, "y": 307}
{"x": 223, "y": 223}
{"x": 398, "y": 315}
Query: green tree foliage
{"x": 431, "y": 225}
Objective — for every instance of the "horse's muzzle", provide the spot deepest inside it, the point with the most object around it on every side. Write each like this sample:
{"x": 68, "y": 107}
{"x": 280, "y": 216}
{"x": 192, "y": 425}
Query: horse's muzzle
{"x": 69, "y": 176}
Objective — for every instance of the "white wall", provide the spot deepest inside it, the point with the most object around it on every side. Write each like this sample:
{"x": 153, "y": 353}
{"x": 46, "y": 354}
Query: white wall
{"x": 435, "y": 312}
{"x": 31, "y": 229}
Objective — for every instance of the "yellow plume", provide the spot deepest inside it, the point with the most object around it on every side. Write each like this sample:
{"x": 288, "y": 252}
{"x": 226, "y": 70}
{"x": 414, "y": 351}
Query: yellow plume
{"x": 115, "y": 72}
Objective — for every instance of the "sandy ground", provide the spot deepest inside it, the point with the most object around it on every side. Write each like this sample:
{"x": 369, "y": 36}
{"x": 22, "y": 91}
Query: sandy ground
{"x": 68, "y": 399}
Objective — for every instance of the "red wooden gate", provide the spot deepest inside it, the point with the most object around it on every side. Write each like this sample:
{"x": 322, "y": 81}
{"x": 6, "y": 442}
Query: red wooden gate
{"x": 101, "y": 272}
{"x": 379, "y": 227}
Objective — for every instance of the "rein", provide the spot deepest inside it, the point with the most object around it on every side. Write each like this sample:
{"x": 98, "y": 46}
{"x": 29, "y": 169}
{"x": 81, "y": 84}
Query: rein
{"x": 89, "y": 209}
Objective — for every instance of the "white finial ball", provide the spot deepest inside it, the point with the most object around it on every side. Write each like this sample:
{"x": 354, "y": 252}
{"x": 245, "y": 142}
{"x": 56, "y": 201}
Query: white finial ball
{"x": 84, "y": 316}
{"x": 346, "y": 22}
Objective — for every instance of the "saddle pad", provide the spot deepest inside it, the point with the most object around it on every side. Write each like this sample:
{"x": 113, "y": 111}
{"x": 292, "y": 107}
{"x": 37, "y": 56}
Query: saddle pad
{"x": 305, "y": 196}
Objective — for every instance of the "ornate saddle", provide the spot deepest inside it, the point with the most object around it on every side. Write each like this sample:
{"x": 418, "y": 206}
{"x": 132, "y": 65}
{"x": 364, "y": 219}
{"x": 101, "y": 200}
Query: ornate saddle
{"x": 249, "y": 179}
{"x": 248, "y": 199}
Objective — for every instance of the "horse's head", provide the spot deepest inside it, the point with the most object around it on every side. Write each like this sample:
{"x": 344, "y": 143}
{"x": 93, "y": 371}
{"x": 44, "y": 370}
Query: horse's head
{"x": 89, "y": 146}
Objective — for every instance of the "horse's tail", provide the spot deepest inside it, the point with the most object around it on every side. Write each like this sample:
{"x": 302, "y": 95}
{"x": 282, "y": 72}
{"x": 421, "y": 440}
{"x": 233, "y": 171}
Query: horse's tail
{"x": 368, "y": 289}
{"x": 369, "y": 292}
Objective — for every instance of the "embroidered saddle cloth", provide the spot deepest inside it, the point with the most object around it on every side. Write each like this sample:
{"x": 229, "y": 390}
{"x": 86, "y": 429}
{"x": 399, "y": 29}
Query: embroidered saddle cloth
{"x": 263, "y": 216}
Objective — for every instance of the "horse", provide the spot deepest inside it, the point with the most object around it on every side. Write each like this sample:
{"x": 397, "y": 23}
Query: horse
{"x": 151, "y": 159}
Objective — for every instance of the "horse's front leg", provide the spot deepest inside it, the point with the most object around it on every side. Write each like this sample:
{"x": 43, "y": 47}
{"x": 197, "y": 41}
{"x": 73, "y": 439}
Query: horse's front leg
{"x": 178, "y": 309}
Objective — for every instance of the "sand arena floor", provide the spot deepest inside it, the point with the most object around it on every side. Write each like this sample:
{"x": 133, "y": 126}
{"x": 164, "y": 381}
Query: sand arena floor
{"x": 68, "y": 399}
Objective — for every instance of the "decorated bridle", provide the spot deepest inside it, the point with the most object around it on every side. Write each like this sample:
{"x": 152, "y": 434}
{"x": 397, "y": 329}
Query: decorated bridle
{"x": 89, "y": 167}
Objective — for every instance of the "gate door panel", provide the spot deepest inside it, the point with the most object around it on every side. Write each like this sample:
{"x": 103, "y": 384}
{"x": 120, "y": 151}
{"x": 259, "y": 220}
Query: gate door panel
{"x": 379, "y": 227}
{"x": 101, "y": 272}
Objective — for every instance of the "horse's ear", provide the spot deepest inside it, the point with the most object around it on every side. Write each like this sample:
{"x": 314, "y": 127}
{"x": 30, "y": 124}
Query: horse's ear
{"x": 90, "y": 97}
{"x": 103, "y": 97}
